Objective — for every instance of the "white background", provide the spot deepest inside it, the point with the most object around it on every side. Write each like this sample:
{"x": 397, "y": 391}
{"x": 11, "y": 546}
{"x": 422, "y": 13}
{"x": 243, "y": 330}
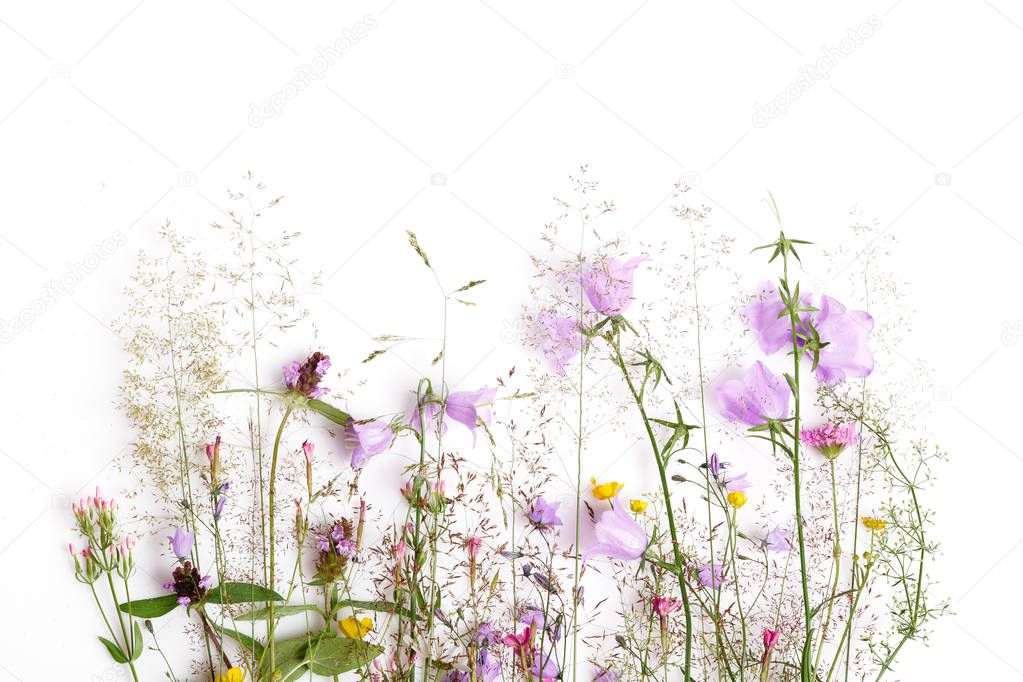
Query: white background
{"x": 116, "y": 116}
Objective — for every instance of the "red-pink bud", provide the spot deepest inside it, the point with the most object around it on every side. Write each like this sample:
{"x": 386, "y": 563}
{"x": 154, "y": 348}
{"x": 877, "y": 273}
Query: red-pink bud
{"x": 770, "y": 638}
{"x": 473, "y": 545}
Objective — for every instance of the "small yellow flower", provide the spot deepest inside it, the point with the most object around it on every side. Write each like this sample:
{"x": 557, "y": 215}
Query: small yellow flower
{"x": 605, "y": 491}
{"x": 354, "y": 628}
{"x": 638, "y": 506}
{"x": 737, "y": 498}
{"x": 232, "y": 675}
{"x": 874, "y": 524}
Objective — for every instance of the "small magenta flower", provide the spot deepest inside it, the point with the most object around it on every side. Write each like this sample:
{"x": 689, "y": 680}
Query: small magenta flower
{"x": 560, "y": 340}
{"x": 830, "y": 439}
{"x": 608, "y": 286}
{"x": 305, "y": 377}
{"x": 758, "y": 397}
{"x": 519, "y": 643}
{"x": 472, "y": 545}
{"x": 712, "y": 576}
{"x": 543, "y": 514}
{"x": 218, "y": 510}
{"x": 471, "y": 407}
{"x": 778, "y": 540}
{"x": 664, "y": 605}
{"x": 618, "y": 536}
{"x": 213, "y": 454}
{"x": 181, "y": 542}
{"x": 770, "y": 638}
{"x": 367, "y": 440}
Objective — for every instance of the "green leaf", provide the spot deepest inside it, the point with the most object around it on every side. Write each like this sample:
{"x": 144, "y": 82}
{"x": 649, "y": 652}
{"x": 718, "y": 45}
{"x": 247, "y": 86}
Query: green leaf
{"x": 249, "y": 643}
{"x": 241, "y": 593}
{"x": 115, "y": 650}
{"x": 336, "y": 655}
{"x": 279, "y": 611}
{"x": 138, "y": 644}
{"x": 378, "y": 606}
{"x": 150, "y": 608}
{"x": 289, "y": 658}
{"x": 329, "y": 411}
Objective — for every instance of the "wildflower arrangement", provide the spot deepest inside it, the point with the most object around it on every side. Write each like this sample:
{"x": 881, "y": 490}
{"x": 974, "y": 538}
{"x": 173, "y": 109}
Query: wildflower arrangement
{"x": 763, "y": 522}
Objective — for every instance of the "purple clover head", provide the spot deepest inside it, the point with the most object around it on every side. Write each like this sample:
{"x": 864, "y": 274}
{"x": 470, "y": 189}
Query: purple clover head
{"x": 543, "y": 514}
{"x": 367, "y": 440}
{"x": 758, "y": 397}
{"x": 618, "y": 535}
{"x": 608, "y": 286}
{"x": 305, "y": 377}
{"x": 181, "y": 542}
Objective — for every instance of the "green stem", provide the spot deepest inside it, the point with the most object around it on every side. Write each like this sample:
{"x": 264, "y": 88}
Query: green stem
{"x": 272, "y": 496}
{"x": 796, "y": 361}
{"x": 837, "y": 552}
{"x": 666, "y": 491}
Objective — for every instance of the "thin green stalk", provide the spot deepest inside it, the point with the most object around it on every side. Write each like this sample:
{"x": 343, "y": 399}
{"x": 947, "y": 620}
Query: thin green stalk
{"x": 272, "y": 495}
{"x": 666, "y": 491}
{"x": 796, "y": 361}
{"x": 113, "y": 637}
{"x": 578, "y": 466}
{"x": 703, "y": 418}
{"x": 837, "y": 552}
{"x": 738, "y": 598}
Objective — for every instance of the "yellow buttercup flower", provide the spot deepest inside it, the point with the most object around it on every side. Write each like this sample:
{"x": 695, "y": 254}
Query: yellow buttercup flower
{"x": 354, "y": 628}
{"x": 638, "y": 506}
{"x": 874, "y": 524}
{"x": 605, "y": 491}
{"x": 737, "y": 498}
{"x": 232, "y": 675}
